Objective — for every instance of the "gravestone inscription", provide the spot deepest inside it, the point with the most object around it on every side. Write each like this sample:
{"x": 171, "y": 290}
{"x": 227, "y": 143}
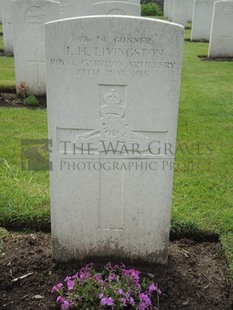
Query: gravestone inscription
{"x": 29, "y": 51}
{"x": 113, "y": 93}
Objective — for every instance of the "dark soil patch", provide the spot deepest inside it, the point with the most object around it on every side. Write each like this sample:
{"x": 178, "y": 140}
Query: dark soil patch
{"x": 196, "y": 41}
{"x": 195, "y": 278}
{"x": 12, "y": 100}
{"x": 206, "y": 58}
{"x": 3, "y": 53}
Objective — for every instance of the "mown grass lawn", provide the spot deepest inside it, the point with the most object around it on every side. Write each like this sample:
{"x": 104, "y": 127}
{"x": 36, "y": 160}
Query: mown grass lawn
{"x": 7, "y": 74}
{"x": 1, "y": 38}
{"x": 203, "y": 182}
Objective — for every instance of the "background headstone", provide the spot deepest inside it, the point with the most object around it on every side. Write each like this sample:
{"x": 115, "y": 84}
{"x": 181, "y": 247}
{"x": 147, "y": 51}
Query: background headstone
{"x": 29, "y": 17}
{"x": 221, "y": 38}
{"x": 7, "y": 26}
{"x": 182, "y": 11}
{"x": 68, "y": 8}
{"x": 202, "y": 18}
{"x": 165, "y": 8}
{"x": 112, "y": 81}
{"x": 116, "y": 8}
{"x": 170, "y": 9}
{"x": 85, "y": 7}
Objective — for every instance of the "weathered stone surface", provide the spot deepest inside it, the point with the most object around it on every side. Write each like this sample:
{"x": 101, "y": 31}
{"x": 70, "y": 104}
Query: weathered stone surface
{"x": 221, "y": 38}
{"x": 29, "y": 49}
{"x": 113, "y": 92}
{"x": 202, "y": 18}
{"x": 7, "y": 26}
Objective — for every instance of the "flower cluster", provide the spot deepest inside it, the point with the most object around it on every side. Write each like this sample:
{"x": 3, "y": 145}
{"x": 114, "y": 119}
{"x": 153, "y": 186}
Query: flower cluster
{"x": 22, "y": 89}
{"x": 114, "y": 288}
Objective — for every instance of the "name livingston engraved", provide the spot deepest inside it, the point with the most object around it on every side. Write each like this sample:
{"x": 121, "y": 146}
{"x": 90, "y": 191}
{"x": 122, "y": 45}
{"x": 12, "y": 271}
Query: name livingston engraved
{"x": 120, "y": 56}
{"x": 114, "y": 51}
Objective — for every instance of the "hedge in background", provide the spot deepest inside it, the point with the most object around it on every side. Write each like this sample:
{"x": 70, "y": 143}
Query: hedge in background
{"x": 151, "y": 9}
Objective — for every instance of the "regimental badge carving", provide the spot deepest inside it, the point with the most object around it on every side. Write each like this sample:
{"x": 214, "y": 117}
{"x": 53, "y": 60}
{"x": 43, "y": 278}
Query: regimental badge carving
{"x": 35, "y": 16}
{"x": 112, "y": 124}
{"x": 116, "y": 12}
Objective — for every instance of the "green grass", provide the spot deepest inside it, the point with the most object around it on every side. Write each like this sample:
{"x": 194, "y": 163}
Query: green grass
{"x": 1, "y": 43}
{"x": 202, "y": 198}
{"x": 7, "y": 73}
{"x": 206, "y": 118}
{"x": 24, "y": 194}
{"x": 1, "y": 38}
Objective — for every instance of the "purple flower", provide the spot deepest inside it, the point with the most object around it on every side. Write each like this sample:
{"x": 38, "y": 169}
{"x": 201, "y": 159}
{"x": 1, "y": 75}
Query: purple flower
{"x": 56, "y": 287}
{"x": 112, "y": 277}
{"x": 60, "y": 299}
{"x": 101, "y": 295}
{"x": 98, "y": 277}
{"x": 84, "y": 275}
{"x": 75, "y": 276}
{"x": 87, "y": 268}
{"x": 123, "y": 301}
{"x": 159, "y": 292}
{"x": 153, "y": 288}
{"x": 120, "y": 292}
{"x": 133, "y": 273}
{"x": 145, "y": 301}
{"x": 144, "y": 297}
{"x": 107, "y": 301}
{"x": 131, "y": 301}
{"x": 66, "y": 304}
{"x": 70, "y": 285}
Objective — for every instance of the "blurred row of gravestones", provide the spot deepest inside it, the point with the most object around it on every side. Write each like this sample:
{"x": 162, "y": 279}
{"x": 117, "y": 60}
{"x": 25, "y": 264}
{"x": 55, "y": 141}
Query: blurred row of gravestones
{"x": 211, "y": 21}
{"x": 23, "y": 28}
{"x": 23, "y": 31}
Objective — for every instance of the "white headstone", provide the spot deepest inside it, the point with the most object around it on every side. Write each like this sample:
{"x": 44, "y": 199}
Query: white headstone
{"x": 221, "y": 38}
{"x": 29, "y": 18}
{"x": 170, "y": 9}
{"x": 182, "y": 11}
{"x": 112, "y": 83}
{"x": 68, "y": 8}
{"x": 7, "y": 26}
{"x": 202, "y": 18}
{"x": 116, "y": 8}
{"x": 0, "y": 17}
{"x": 165, "y": 8}
{"x": 85, "y": 7}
